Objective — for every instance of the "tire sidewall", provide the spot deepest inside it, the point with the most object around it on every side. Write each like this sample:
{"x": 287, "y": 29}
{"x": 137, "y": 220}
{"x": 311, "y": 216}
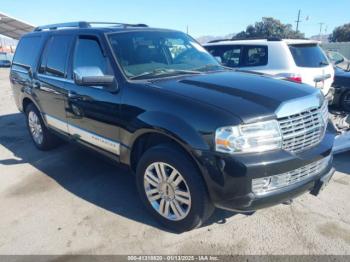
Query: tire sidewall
{"x": 194, "y": 182}
{"x": 32, "y": 108}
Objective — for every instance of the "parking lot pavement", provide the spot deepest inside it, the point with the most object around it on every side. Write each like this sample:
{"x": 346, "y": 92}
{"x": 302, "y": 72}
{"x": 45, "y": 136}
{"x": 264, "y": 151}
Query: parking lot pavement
{"x": 68, "y": 201}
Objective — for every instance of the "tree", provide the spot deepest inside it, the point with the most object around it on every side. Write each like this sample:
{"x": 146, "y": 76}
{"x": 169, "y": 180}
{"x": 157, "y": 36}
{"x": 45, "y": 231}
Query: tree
{"x": 341, "y": 34}
{"x": 269, "y": 27}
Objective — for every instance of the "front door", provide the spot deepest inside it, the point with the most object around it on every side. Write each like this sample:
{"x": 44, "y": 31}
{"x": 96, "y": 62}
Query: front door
{"x": 93, "y": 111}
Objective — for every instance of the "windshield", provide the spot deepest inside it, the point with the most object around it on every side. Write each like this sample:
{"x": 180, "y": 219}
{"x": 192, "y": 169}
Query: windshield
{"x": 154, "y": 54}
{"x": 308, "y": 55}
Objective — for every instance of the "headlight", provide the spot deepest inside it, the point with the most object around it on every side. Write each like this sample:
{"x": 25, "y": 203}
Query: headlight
{"x": 257, "y": 137}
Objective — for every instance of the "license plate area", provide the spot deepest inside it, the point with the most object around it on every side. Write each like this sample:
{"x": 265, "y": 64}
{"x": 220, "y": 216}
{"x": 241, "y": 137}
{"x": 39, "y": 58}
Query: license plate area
{"x": 322, "y": 183}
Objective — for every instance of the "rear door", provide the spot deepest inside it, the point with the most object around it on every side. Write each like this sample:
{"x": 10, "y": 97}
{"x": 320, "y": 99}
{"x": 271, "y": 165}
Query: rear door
{"x": 24, "y": 63}
{"x": 313, "y": 65}
{"x": 50, "y": 87}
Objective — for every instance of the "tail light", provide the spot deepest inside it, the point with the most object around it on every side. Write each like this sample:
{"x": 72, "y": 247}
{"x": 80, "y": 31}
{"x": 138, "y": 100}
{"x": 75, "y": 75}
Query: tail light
{"x": 296, "y": 78}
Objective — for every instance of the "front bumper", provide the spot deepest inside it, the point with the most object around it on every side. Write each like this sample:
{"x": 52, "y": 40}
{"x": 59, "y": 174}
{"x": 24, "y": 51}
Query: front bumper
{"x": 251, "y": 202}
{"x": 229, "y": 178}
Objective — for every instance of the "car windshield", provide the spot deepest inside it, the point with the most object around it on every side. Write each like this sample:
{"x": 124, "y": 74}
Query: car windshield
{"x": 154, "y": 54}
{"x": 308, "y": 55}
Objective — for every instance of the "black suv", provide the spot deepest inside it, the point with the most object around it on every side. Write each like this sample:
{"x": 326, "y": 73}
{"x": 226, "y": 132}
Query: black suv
{"x": 197, "y": 135}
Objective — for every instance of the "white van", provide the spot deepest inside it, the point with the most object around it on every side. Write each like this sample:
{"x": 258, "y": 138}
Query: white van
{"x": 296, "y": 60}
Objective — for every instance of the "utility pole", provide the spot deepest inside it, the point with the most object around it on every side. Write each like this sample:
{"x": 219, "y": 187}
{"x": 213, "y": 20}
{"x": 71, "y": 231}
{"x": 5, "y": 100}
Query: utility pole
{"x": 298, "y": 21}
{"x": 186, "y": 29}
{"x": 320, "y": 35}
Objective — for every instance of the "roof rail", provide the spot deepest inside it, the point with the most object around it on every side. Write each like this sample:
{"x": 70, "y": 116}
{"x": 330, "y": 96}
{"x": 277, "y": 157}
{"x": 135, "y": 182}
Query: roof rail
{"x": 270, "y": 38}
{"x": 219, "y": 40}
{"x": 247, "y": 38}
{"x": 83, "y": 24}
{"x": 63, "y": 25}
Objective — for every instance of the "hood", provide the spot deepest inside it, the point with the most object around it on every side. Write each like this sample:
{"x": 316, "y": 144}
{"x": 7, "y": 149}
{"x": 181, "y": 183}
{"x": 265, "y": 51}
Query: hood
{"x": 248, "y": 96}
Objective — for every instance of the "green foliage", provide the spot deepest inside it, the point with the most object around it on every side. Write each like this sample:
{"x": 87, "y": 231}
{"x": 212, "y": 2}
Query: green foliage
{"x": 269, "y": 27}
{"x": 341, "y": 34}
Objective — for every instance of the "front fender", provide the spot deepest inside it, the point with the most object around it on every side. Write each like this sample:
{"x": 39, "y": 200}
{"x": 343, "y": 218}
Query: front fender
{"x": 165, "y": 124}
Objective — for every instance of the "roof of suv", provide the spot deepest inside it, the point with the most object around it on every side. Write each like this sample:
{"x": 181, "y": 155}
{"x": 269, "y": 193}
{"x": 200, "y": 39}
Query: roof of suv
{"x": 90, "y": 27}
{"x": 261, "y": 42}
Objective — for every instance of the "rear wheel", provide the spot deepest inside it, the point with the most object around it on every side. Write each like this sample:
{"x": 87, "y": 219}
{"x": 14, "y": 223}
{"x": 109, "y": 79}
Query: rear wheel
{"x": 345, "y": 101}
{"x": 172, "y": 189}
{"x": 41, "y": 136}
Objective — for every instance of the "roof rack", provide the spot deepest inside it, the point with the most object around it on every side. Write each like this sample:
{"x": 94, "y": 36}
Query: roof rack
{"x": 219, "y": 40}
{"x": 247, "y": 38}
{"x": 83, "y": 24}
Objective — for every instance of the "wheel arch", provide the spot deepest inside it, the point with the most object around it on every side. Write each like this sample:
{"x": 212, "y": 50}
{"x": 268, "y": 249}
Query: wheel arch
{"x": 161, "y": 128}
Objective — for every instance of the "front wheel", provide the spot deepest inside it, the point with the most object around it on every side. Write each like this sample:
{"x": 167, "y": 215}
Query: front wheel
{"x": 172, "y": 189}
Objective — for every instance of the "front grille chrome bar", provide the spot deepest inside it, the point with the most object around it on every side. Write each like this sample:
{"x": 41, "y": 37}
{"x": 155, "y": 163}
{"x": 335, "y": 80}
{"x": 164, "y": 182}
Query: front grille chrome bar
{"x": 304, "y": 130}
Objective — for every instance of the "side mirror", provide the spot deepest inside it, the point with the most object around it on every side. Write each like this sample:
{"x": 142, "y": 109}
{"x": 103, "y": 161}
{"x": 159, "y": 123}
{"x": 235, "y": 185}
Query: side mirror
{"x": 92, "y": 76}
{"x": 218, "y": 58}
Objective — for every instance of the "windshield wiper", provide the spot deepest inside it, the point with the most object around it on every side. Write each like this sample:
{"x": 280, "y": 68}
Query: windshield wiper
{"x": 209, "y": 67}
{"x": 324, "y": 63}
{"x": 163, "y": 71}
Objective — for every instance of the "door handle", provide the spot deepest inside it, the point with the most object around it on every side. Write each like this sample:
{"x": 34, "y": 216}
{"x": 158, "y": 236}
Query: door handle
{"x": 73, "y": 95}
{"x": 36, "y": 85}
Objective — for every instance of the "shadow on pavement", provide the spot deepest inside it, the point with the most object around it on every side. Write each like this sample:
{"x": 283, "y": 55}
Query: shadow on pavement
{"x": 80, "y": 171}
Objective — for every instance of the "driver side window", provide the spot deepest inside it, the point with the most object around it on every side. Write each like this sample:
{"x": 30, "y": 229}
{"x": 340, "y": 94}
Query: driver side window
{"x": 88, "y": 54}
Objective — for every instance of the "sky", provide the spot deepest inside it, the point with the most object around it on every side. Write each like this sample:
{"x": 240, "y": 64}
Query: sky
{"x": 205, "y": 17}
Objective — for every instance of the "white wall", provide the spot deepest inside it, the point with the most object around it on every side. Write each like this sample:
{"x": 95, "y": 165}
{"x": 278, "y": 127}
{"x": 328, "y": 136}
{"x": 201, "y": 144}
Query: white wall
{"x": 341, "y": 47}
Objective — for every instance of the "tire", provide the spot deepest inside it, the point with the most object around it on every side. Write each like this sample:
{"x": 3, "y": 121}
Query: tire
{"x": 345, "y": 100}
{"x": 195, "y": 205}
{"x": 43, "y": 139}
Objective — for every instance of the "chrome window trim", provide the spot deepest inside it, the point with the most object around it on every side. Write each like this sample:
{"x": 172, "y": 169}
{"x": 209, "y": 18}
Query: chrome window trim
{"x": 56, "y": 78}
{"x": 84, "y": 135}
{"x": 19, "y": 70}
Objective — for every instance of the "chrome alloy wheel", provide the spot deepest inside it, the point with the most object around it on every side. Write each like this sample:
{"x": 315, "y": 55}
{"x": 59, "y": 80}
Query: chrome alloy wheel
{"x": 167, "y": 191}
{"x": 35, "y": 127}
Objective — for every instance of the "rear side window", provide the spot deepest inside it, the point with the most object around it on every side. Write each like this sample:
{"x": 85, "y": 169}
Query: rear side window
{"x": 54, "y": 60}
{"x": 255, "y": 56}
{"x": 27, "y": 51}
{"x": 308, "y": 55}
{"x": 88, "y": 53}
{"x": 230, "y": 55}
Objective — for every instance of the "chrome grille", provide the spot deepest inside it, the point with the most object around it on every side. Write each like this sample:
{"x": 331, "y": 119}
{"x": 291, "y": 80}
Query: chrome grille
{"x": 305, "y": 129}
{"x": 265, "y": 185}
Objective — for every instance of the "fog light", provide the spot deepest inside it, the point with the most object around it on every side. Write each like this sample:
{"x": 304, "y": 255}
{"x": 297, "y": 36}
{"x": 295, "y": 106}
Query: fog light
{"x": 264, "y": 185}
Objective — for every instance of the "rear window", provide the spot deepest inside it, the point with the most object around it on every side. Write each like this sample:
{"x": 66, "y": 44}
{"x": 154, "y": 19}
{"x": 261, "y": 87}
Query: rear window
{"x": 308, "y": 55}
{"x": 27, "y": 51}
{"x": 55, "y": 56}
